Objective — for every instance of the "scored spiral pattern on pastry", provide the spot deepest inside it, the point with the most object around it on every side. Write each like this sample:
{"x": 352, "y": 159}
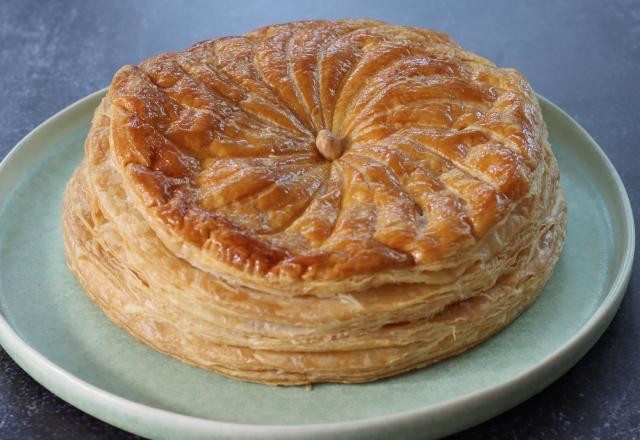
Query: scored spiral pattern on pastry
{"x": 438, "y": 144}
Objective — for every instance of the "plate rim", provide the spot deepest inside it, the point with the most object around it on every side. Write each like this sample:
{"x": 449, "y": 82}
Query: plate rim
{"x": 135, "y": 417}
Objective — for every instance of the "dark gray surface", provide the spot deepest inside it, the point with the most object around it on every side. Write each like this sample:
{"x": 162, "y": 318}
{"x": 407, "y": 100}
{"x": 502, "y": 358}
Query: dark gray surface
{"x": 583, "y": 55}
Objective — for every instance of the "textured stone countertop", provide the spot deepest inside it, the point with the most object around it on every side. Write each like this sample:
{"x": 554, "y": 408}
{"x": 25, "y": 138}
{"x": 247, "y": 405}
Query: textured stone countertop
{"x": 583, "y": 55}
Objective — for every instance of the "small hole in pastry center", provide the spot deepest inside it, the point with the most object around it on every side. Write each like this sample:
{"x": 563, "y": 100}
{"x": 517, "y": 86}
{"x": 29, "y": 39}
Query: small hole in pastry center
{"x": 328, "y": 145}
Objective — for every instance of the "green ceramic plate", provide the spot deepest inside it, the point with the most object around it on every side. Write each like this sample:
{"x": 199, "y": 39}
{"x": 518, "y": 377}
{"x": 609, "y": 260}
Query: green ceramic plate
{"x": 63, "y": 340}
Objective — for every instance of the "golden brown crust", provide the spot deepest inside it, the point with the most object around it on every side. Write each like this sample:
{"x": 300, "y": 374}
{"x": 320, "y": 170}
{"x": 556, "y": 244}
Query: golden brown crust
{"x": 315, "y": 202}
{"x": 217, "y": 143}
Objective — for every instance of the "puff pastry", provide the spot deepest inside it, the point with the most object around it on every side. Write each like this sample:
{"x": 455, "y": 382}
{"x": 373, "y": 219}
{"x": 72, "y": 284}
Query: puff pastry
{"x": 321, "y": 201}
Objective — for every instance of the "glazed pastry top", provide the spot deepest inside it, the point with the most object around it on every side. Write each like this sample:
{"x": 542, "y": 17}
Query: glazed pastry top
{"x": 326, "y": 150}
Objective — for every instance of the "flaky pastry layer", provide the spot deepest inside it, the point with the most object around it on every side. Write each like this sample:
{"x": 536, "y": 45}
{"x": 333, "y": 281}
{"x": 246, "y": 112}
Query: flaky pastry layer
{"x": 321, "y": 201}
